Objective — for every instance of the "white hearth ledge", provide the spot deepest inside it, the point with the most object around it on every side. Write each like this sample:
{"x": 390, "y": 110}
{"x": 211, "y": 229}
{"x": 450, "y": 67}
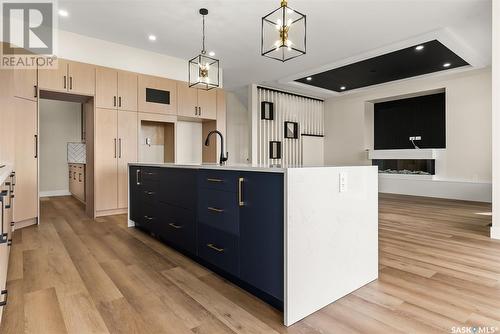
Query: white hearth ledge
{"x": 415, "y": 154}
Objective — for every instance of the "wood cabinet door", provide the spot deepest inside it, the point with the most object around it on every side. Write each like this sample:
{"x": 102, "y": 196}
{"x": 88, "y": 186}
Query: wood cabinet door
{"x": 25, "y": 84}
{"x": 127, "y": 152}
{"x": 54, "y": 79}
{"x": 207, "y": 104}
{"x": 127, "y": 91}
{"x": 106, "y": 83}
{"x": 106, "y": 153}
{"x": 80, "y": 182}
{"x": 81, "y": 78}
{"x": 187, "y": 100}
{"x": 157, "y": 95}
{"x": 26, "y": 160}
{"x": 71, "y": 183}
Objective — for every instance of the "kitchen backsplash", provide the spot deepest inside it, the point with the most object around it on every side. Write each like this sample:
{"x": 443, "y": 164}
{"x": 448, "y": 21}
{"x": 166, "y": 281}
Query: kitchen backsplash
{"x": 77, "y": 153}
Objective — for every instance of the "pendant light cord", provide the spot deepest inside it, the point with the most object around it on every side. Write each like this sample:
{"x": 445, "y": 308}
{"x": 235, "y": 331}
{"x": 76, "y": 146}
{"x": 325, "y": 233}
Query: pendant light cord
{"x": 203, "y": 51}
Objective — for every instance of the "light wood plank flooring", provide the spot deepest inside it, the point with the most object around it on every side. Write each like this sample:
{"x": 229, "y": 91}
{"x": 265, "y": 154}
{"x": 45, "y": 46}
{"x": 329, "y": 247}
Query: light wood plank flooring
{"x": 438, "y": 269}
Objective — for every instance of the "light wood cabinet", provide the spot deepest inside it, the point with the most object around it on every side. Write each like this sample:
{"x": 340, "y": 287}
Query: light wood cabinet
{"x": 54, "y": 79}
{"x": 69, "y": 76}
{"x": 26, "y": 160}
{"x": 25, "y": 84}
{"x": 105, "y": 164}
{"x": 196, "y": 103}
{"x": 127, "y": 91}
{"x": 116, "y": 89}
{"x": 127, "y": 152}
{"x": 81, "y": 78}
{"x": 207, "y": 104}
{"x": 157, "y": 95}
{"x": 77, "y": 181}
{"x": 115, "y": 147}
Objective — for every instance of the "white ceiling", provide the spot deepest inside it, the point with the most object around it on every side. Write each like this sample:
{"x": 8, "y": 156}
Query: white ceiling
{"x": 337, "y": 29}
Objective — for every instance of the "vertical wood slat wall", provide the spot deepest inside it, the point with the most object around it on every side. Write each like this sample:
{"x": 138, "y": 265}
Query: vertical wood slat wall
{"x": 309, "y": 113}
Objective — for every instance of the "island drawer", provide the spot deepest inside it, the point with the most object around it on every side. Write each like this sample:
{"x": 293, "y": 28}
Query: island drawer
{"x": 148, "y": 218}
{"x": 177, "y": 227}
{"x": 218, "y": 248}
{"x": 218, "y": 180}
{"x": 177, "y": 187}
{"x": 219, "y": 209}
{"x": 149, "y": 174}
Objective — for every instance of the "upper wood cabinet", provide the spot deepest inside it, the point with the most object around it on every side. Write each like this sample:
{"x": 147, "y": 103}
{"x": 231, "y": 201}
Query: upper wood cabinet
{"x": 157, "y": 95}
{"x": 25, "y": 84}
{"x": 116, "y": 89}
{"x": 69, "y": 76}
{"x": 188, "y": 100}
{"x": 207, "y": 104}
{"x": 196, "y": 103}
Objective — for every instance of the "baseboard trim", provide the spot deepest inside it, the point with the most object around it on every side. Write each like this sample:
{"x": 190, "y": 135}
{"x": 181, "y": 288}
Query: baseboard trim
{"x": 466, "y": 191}
{"x": 54, "y": 193}
{"x": 495, "y": 233}
{"x": 104, "y": 213}
{"x": 24, "y": 223}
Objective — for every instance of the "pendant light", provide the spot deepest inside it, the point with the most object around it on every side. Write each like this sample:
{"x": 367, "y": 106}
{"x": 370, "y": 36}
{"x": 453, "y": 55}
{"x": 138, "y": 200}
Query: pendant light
{"x": 283, "y": 33}
{"x": 203, "y": 70}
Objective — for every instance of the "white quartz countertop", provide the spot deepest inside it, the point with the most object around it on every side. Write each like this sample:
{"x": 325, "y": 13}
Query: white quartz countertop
{"x": 236, "y": 167}
{"x": 4, "y": 172}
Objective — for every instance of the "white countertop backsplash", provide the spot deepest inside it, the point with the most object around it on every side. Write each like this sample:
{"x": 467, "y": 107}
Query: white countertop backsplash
{"x": 77, "y": 153}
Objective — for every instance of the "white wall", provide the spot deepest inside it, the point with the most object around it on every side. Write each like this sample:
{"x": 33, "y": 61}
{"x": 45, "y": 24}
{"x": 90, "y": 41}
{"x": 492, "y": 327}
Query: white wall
{"x": 60, "y": 123}
{"x": 188, "y": 142}
{"x": 238, "y": 127}
{"x": 349, "y": 120}
{"x": 495, "y": 229}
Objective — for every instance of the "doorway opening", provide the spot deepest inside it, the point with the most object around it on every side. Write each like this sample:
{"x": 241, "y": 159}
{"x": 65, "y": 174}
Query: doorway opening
{"x": 65, "y": 124}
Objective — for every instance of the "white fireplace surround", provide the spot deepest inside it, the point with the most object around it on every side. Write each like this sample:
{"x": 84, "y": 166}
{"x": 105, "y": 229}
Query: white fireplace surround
{"x": 427, "y": 185}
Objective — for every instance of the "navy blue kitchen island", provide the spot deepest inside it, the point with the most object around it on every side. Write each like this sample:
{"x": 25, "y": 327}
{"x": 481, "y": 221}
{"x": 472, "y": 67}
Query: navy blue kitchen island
{"x": 230, "y": 219}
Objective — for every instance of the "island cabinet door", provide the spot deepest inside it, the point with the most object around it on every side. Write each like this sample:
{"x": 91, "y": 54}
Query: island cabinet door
{"x": 261, "y": 231}
{"x": 135, "y": 200}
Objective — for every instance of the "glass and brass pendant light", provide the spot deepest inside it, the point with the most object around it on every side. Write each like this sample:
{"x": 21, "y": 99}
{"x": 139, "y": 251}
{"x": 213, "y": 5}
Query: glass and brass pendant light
{"x": 203, "y": 70}
{"x": 283, "y": 33}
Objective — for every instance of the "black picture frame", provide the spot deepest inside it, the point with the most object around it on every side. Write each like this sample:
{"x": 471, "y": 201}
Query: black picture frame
{"x": 291, "y": 130}
{"x": 274, "y": 150}
{"x": 267, "y": 111}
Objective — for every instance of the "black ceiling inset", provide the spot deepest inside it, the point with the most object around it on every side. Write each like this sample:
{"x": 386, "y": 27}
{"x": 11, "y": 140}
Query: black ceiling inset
{"x": 429, "y": 57}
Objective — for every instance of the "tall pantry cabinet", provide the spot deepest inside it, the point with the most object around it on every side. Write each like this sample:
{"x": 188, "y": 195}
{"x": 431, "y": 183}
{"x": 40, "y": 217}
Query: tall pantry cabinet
{"x": 25, "y": 118}
{"x": 115, "y": 137}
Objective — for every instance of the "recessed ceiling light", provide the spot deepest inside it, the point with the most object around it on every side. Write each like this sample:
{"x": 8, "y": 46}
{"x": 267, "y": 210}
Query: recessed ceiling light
{"x": 446, "y": 64}
{"x": 419, "y": 47}
{"x": 211, "y": 53}
{"x": 63, "y": 13}
{"x": 309, "y": 78}
{"x": 342, "y": 87}
{"x": 152, "y": 37}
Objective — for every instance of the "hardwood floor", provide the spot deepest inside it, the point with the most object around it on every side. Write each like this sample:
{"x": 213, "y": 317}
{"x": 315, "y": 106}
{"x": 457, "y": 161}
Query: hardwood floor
{"x": 438, "y": 269}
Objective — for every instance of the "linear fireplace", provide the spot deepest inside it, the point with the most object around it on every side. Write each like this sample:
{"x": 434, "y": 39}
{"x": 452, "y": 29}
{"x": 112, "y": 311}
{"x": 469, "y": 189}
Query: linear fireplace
{"x": 405, "y": 166}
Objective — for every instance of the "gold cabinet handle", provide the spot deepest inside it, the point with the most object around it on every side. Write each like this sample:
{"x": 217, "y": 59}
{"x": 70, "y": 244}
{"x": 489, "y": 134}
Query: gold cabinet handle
{"x": 215, "y": 248}
{"x": 175, "y": 226}
{"x": 214, "y": 180}
{"x": 240, "y": 191}
{"x": 215, "y": 209}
